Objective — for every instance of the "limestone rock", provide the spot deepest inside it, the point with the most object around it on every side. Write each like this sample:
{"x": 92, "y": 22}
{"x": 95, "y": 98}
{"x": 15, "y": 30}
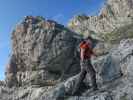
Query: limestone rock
{"x": 115, "y": 89}
{"x": 11, "y": 72}
{"x": 112, "y": 66}
{"x": 44, "y": 50}
{"x": 114, "y": 14}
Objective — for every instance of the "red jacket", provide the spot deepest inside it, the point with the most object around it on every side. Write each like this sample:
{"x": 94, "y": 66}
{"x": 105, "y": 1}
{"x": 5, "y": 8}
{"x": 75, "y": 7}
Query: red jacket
{"x": 88, "y": 49}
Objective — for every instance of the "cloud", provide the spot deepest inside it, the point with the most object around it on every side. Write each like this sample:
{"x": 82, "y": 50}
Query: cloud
{"x": 58, "y": 17}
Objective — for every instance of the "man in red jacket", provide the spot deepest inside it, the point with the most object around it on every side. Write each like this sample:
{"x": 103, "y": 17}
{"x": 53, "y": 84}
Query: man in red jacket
{"x": 86, "y": 52}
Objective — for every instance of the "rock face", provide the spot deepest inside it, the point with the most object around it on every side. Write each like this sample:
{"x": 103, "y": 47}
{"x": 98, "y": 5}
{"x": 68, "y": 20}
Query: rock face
{"x": 44, "y": 53}
{"x": 44, "y": 50}
{"x": 115, "y": 14}
{"x": 11, "y": 72}
{"x": 117, "y": 88}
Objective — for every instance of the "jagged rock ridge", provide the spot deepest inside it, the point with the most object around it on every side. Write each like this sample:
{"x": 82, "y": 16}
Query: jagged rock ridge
{"x": 114, "y": 14}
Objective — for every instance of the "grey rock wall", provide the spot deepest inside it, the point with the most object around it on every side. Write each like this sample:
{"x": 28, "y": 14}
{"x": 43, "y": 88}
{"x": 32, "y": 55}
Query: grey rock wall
{"x": 114, "y": 14}
{"x": 44, "y": 50}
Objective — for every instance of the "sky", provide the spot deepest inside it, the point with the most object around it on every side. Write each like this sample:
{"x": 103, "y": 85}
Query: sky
{"x": 12, "y": 11}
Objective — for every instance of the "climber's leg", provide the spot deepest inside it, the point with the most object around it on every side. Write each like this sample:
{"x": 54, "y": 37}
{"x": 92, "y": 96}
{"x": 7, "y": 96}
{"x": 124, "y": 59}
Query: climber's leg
{"x": 80, "y": 79}
{"x": 92, "y": 73}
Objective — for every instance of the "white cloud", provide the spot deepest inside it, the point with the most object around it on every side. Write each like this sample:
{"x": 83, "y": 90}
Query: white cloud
{"x": 58, "y": 16}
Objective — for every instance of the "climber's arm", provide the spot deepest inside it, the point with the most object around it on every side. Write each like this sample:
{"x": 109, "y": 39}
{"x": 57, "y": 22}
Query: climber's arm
{"x": 82, "y": 54}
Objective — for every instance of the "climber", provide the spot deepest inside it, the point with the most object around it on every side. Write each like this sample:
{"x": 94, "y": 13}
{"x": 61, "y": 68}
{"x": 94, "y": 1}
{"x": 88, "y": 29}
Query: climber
{"x": 86, "y": 67}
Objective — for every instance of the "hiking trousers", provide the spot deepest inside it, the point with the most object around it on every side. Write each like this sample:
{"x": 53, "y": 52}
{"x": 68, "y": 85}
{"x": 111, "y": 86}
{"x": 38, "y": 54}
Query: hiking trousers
{"x": 86, "y": 67}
